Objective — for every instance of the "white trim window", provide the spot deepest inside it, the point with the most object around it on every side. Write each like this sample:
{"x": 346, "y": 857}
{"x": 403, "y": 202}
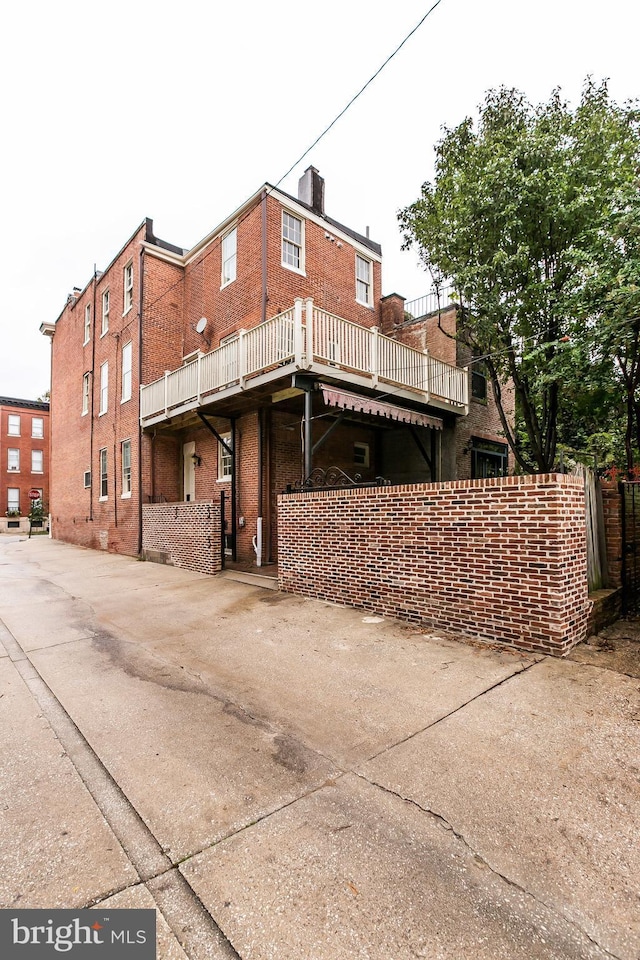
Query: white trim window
{"x": 229, "y": 257}
{"x": 85, "y": 394}
{"x": 126, "y": 468}
{"x": 13, "y": 425}
{"x": 87, "y": 324}
{"x": 37, "y": 428}
{"x": 126, "y": 371}
{"x": 361, "y": 454}
{"x": 13, "y": 499}
{"x": 104, "y": 485}
{"x": 224, "y": 458}
{"x": 292, "y": 242}
{"x": 106, "y": 304}
{"x": 13, "y": 460}
{"x": 104, "y": 388}
{"x": 87, "y": 479}
{"x": 363, "y": 280}
{"x": 37, "y": 461}
{"x": 128, "y": 287}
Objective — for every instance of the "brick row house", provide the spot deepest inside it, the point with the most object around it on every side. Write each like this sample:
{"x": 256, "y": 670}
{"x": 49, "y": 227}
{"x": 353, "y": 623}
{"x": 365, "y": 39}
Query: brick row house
{"x": 24, "y": 460}
{"x": 263, "y": 359}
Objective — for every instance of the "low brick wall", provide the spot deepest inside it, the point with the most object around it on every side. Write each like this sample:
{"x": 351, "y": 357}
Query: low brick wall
{"x": 183, "y": 535}
{"x": 502, "y": 559}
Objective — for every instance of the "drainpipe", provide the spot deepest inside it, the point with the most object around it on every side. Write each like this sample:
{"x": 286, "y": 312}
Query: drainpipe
{"x": 263, "y": 214}
{"x": 138, "y": 402}
{"x": 234, "y": 510}
{"x": 93, "y": 384}
{"x": 257, "y": 540}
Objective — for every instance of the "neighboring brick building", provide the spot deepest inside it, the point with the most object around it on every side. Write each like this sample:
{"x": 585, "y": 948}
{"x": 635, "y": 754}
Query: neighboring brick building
{"x": 24, "y": 459}
{"x": 247, "y": 364}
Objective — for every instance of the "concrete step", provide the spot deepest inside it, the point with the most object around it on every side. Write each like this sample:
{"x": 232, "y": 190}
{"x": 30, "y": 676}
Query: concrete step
{"x": 269, "y": 582}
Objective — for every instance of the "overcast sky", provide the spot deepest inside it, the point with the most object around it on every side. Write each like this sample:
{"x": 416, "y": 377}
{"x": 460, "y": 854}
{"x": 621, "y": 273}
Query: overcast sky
{"x": 130, "y": 109}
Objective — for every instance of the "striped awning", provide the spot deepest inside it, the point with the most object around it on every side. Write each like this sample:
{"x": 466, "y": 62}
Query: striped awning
{"x": 378, "y": 408}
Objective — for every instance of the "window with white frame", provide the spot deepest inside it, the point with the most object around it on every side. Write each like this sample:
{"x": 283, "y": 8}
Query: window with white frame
{"x": 37, "y": 427}
{"x": 13, "y": 460}
{"x": 225, "y": 458}
{"x": 292, "y": 242}
{"x": 104, "y": 488}
{"x": 105, "y": 313}
{"x": 13, "y": 426}
{"x": 126, "y": 371}
{"x": 13, "y": 500}
{"x": 361, "y": 454}
{"x": 87, "y": 479}
{"x": 128, "y": 287}
{"x": 126, "y": 468}
{"x": 104, "y": 387}
{"x": 85, "y": 394}
{"x": 363, "y": 280}
{"x": 229, "y": 256}
{"x": 37, "y": 461}
{"x": 87, "y": 324}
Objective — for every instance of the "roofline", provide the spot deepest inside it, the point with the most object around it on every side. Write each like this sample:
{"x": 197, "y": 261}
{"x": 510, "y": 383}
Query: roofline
{"x": 25, "y": 404}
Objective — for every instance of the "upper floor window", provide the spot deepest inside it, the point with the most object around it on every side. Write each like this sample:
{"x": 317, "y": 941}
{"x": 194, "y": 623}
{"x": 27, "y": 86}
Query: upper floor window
{"x": 37, "y": 427}
{"x": 85, "y": 394}
{"x": 37, "y": 461}
{"x": 126, "y": 371}
{"x": 128, "y": 287}
{"x": 292, "y": 242}
{"x": 104, "y": 388}
{"x": 13, "y": 427}
{"x": 363, "y": 280}
{"x": 229, "y": 256}
{"x": 13, "y": 459}
{"x": 87, "y": 324}
{"x": 105, "y": 313}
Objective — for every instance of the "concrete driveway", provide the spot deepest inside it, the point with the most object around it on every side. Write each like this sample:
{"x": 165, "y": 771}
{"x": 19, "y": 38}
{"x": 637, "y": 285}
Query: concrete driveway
{"x": 286, "y": 779}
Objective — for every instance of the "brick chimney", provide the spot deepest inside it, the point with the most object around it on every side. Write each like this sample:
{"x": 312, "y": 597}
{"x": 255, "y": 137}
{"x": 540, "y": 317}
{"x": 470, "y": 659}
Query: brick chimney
{"x": 391, "y": 313}
{"x": 311, "y": 190}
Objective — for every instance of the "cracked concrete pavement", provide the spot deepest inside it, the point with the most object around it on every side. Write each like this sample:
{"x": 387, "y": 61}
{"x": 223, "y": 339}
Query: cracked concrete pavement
{"x": 285, "y": 779}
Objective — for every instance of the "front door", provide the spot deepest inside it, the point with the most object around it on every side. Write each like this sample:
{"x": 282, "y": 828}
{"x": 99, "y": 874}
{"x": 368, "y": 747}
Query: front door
{"x": 189, "y": 470}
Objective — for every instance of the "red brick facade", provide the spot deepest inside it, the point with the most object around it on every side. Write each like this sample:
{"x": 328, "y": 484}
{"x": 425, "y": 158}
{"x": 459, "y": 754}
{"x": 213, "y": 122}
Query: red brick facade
{"x": 501, "y": 559}
{"x": 165, "y": 306}
{"x": 24, "y": 456}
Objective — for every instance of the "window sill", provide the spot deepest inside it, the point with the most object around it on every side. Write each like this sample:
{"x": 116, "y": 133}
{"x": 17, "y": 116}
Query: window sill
{"x": 102, "y": 499}
{"x": 128, "y": 310}
{"x": 40, "y": 473}
{"x": 223, "y": 480}
{"x": 361, "y": 303}
{"x": 287, "y": 266}
{"x": 104, "y": 333}
{"x": 223, "y": 286}
{"x": 125, "y": 496}
{"x": 102, "y": 413}
{"x": 125, "y": 400}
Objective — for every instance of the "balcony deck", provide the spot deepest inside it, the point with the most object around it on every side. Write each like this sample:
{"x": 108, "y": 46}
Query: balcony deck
{"x": 306, "y": 338}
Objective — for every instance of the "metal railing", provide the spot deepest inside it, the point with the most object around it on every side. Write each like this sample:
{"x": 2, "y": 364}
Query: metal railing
{"x": 303, "y": 336}
{"x": 431, "y": 302}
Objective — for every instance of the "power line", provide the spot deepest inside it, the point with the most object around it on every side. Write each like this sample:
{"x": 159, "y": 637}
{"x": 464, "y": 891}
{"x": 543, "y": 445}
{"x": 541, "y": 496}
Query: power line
{"x": 359, "y": 93}
{"x": 216, "y": 242}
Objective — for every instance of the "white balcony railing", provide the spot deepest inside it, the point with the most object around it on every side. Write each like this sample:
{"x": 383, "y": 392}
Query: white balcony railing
{"x": 307, "y": 338}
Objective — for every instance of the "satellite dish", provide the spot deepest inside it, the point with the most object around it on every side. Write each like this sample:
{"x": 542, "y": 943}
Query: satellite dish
{"x": 201, "y": 325}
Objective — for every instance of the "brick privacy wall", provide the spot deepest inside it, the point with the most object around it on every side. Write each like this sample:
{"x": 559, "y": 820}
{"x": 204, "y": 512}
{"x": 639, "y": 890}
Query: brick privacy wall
{"x": 502, "y": 559}
{"x": 23, "y": 479}
{"x": 185, "y": 535}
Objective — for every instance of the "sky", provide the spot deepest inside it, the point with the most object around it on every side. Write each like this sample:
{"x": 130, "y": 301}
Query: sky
{"x": 179, "y": 112}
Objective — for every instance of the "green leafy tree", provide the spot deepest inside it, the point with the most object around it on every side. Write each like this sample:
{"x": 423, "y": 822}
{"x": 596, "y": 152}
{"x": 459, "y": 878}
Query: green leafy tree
{"x": 516, "y": 218}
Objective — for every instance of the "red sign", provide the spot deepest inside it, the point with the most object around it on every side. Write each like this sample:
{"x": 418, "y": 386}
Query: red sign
{"x": 34, "y": 494}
